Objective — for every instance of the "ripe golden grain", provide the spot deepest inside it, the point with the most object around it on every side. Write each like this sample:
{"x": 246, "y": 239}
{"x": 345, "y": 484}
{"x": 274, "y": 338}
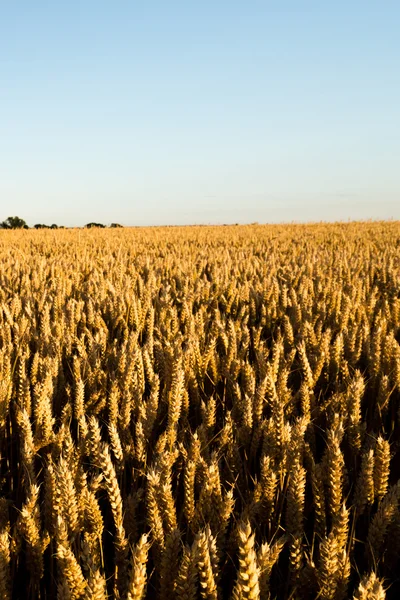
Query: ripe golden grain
{"x": 200, "y": 412}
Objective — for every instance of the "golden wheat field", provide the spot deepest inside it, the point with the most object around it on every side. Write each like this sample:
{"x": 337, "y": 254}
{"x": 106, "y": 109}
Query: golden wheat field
{"x": 200, "y": 412}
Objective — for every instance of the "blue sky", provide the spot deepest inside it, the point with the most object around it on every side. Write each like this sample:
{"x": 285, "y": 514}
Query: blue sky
{"x": 199, "y": 112}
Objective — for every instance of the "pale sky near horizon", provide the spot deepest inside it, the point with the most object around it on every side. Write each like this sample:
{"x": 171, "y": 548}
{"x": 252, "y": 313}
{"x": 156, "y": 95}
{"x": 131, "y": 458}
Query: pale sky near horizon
{"x": 173, "y": 112}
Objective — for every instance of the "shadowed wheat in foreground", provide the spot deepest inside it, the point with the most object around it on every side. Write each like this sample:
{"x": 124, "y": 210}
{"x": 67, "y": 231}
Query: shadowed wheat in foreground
{"x": 200, "y": 413}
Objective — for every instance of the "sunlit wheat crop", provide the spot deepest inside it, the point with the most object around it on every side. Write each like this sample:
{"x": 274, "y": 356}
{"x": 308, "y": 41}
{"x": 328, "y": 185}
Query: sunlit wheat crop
{"x": 203, "y": 412}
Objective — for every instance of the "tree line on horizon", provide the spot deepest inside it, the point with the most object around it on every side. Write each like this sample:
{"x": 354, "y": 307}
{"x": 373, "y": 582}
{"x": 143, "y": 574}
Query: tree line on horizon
{"x": 18, "y": 223}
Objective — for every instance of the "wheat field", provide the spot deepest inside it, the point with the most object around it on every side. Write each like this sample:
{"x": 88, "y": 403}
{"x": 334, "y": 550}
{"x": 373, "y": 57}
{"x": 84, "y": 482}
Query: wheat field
{"x": 200, "y": 413}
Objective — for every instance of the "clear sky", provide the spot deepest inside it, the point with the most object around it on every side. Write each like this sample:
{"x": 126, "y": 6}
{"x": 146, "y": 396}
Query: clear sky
{"x": 222, "y": 111}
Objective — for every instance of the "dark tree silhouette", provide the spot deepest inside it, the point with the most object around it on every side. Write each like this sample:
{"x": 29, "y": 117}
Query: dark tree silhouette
{"x": 91, "y": 225}
{"x": 14, "y": 223}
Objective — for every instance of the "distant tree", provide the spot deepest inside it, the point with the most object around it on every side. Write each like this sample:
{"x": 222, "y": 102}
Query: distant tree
{"x": 54, "y": 226}
{"x": 14, "y": 223}
{"x": 91, "y": 225}
{"x": 40, "y": 226}
{"x": 116, "y": 225}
